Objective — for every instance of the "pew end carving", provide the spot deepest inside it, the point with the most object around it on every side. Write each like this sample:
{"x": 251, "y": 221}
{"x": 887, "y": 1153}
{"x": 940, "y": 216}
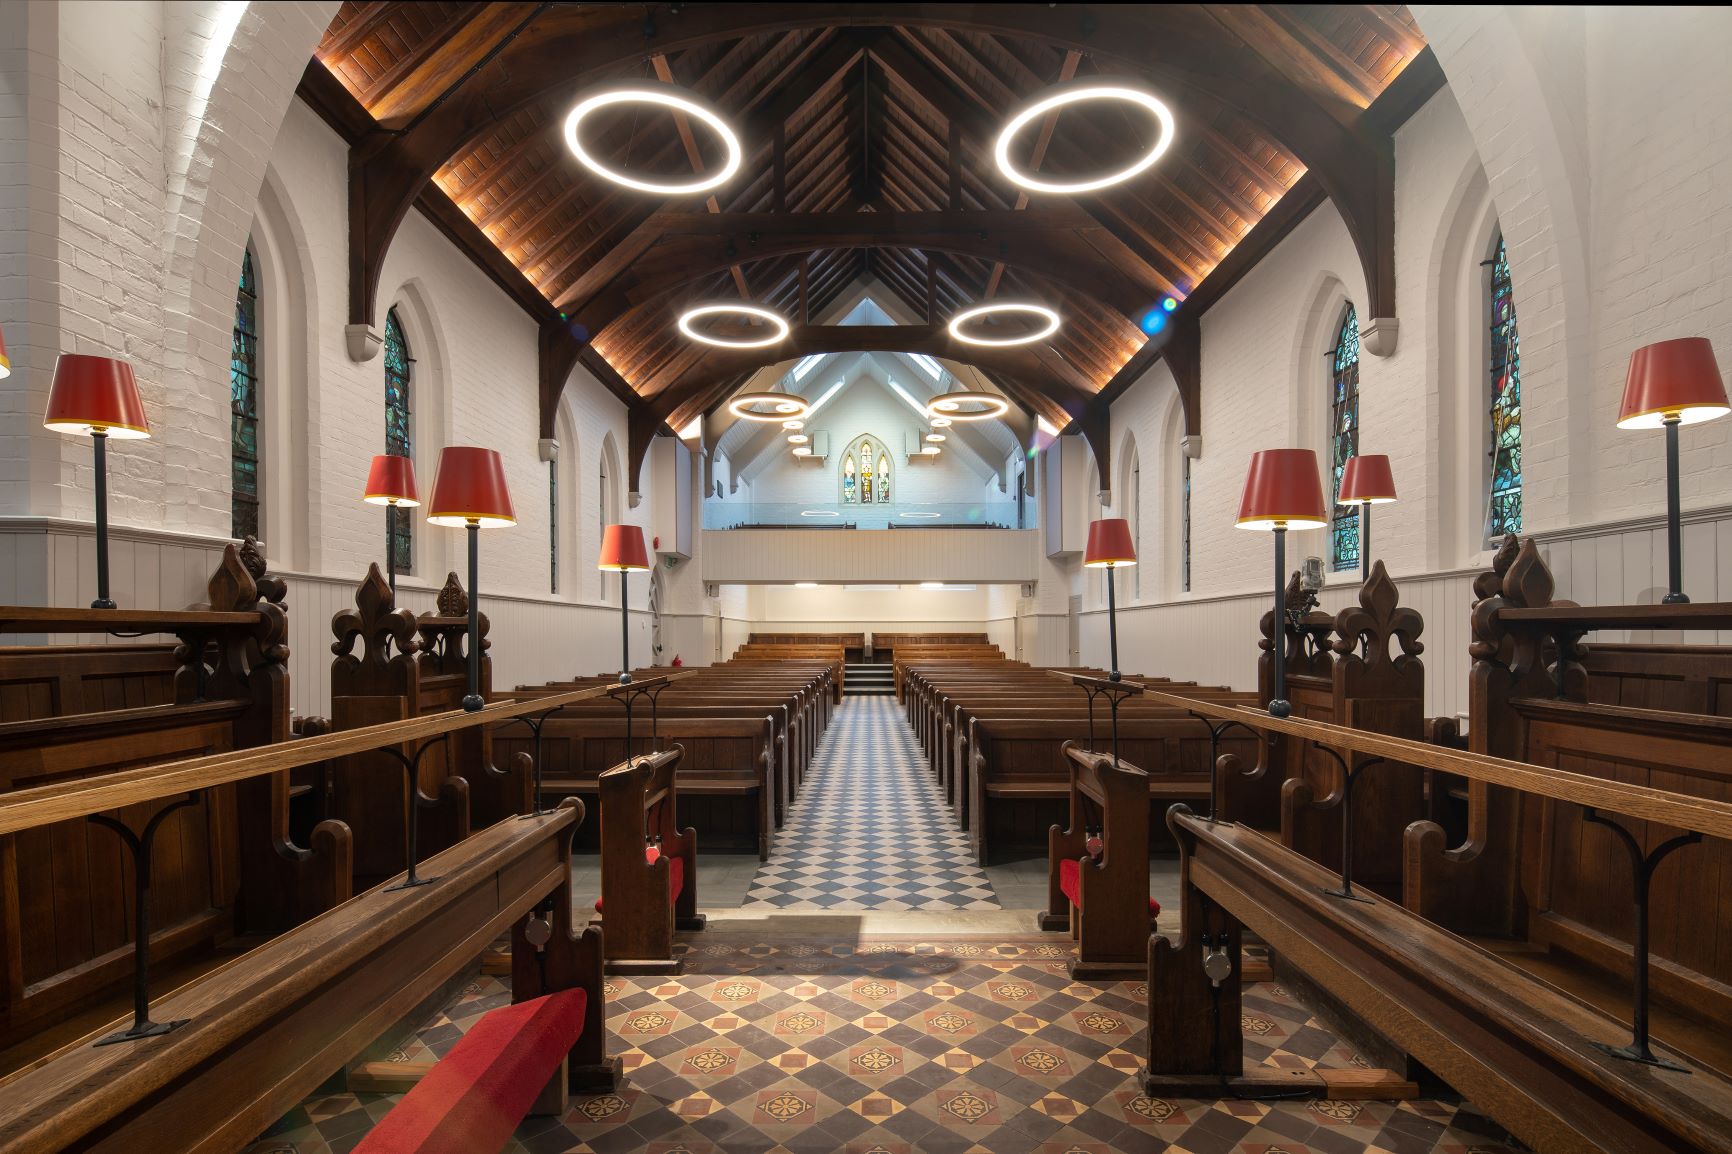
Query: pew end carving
{"x": 569, "y": 957}
{"x": 1097, "y": 866}
{"x": 649, "y": 866}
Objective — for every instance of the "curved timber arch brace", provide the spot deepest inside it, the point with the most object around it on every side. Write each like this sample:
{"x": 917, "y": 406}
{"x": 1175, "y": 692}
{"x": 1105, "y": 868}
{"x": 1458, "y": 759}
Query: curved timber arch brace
{"x": 1182, "y": 49}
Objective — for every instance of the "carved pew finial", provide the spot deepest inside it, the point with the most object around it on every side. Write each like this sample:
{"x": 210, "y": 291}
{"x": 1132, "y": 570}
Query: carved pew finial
{"x": 453, "y": 601}
{"x": 1378, "y": 617}
{"x": 377, "y": 621}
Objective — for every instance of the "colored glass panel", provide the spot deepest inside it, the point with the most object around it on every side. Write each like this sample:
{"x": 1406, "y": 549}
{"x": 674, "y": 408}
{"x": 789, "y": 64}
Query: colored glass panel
{"x": 1344, "y": 437}
{"x": 244, "y": 406}
{"x": 399, "y": 378}
{"x": 1504, "y": 497}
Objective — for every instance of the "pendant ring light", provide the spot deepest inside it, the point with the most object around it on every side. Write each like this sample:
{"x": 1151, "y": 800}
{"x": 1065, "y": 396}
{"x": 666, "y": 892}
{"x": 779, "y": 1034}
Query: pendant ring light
{"x": 1061, "y": 97}
{"x": 734, "y": 308}
{"x": 781, "y": 406}
{"x": 663, "y": 96}
{"x": 997, "y": 308}
{"x": 951, "y": 405}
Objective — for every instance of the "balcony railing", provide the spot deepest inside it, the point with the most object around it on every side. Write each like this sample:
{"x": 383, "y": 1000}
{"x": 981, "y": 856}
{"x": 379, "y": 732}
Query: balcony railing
{"x": 738, "y": 513}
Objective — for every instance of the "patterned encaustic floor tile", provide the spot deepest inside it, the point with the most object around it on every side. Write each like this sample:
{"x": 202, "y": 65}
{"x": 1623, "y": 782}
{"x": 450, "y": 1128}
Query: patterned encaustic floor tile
{"x": 912, "y": 1046}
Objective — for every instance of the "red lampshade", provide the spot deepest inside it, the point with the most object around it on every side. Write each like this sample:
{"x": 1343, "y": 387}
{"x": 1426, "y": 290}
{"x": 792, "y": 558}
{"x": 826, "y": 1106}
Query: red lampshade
{"x": 92, "y": 394}
{"x": 1678, "y": 377}
{"x": 1367, "y": 480}
{"x": 1282, "y": 489}
{"x": 391, "y": 481}
{"x": 1110, "y": 544}
{"x": 469, "y": 488}
{"x": 622, "y": 550}
{"x": 5, "y": 361}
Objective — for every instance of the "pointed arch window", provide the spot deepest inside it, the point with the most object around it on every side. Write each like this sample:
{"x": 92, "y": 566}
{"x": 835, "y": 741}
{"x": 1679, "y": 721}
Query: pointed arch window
{"x": 1344, "y": 437}
{"x": 1184, "y": 521}
{"x": 553, "y": 526}
{"x": 399, "y": 381}
{"x": 865, "y": 473}
{"x": 244, "y": 406}
{"x": 1504, "y": 489}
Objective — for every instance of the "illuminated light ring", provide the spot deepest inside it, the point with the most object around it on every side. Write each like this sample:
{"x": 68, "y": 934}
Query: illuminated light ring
{"x": 993, "y": 307}
{"x": 798, "y": 438}
{"x": 927, "y": 516}
{"x": 950, "y": 404}
{"x": 666, "y": 97}
{"x": 940, "y": 422}
{"x": 935, "y": 438}
{"x": 793, "y": 426}
{"x": 1059, "y": 98}
{"x": 741, "y": 406}
{"x": 802, "y": 450}
{"x": 819, "y": 513}
{"x": 741, "y": 309}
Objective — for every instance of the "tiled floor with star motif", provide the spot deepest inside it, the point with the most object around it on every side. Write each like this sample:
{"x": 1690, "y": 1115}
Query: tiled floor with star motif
{"x": 899, "y": 1046}
{"x": 871, "y": 829}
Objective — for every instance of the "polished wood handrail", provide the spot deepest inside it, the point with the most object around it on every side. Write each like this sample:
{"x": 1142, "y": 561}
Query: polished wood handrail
{"x": 63, "y": 801}
{"x": 1688, "y": 615}
{"x": 50, "y": 619}
{"x": 1704, "y": 815}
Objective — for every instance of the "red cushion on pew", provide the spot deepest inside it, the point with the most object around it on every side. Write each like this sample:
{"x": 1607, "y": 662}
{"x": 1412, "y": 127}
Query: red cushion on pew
{"x": 1070, "y": 882}
{"x": 476, "y": 1095}
{"x": 676, "y": 874}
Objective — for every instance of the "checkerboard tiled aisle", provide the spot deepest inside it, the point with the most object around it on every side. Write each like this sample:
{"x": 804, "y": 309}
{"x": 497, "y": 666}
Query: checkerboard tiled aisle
{"x": 870, "y": 831}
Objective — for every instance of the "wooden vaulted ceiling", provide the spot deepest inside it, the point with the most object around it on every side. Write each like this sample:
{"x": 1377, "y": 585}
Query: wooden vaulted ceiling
{"x": 868, "y": 132}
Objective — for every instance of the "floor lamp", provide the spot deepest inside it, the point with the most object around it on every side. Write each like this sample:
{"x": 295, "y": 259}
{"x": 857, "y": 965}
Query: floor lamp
{"x": 1366, "y": 481}
{"x": 1110, "y": 547}
{"x": 622, "y": 552}
{"x": 391, "y": 483}
{"x": 1282, "y": 492}
{"x": 469, "y": 492}
{"x": 1673, "y": 383}
{"x": 97, "y": 397}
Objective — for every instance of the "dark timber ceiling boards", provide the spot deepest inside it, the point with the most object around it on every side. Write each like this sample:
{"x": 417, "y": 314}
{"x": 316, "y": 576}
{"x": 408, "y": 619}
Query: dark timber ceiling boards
{"x": 868, "y": 131}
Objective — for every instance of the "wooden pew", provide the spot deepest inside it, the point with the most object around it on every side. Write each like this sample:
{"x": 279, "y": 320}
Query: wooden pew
{"x": 1534, "y": 880}
{"x": 724, "y": 776}
{"x": 886, "y": 643}
{"x": 750, "y": 654}
{"x": 263, "y": 1031}
{"x": 224, "y": 868}
{"x": 1098, "y": 867}
{"x": 390, "y": 665}
{"x": 649, "y": 866}
{"x": 1540, "y": 1061}
{"x": 1341, "y": 670}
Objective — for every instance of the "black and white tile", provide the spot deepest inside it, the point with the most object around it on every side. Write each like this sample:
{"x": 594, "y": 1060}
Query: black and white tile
{"x": 870, "y": 831}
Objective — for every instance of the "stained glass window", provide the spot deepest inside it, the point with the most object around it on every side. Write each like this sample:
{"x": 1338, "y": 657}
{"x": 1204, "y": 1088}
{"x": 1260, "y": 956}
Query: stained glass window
{"x": 244, "y": 407}
{"x": 1344, "y": 437}
{"x": 866, "y": 490}
{"x": 883, "y": 478}
{"x": 399, "y": 377}
{"x": 1504, "y": 499}
{"x": 850, "y": 493}
{"x": 553, "y": 526}
{"x": 1185, "y": 521}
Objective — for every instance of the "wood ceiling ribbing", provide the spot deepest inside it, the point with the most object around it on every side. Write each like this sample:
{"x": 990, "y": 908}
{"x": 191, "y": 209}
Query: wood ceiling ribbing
{"x": 871, "y": 114}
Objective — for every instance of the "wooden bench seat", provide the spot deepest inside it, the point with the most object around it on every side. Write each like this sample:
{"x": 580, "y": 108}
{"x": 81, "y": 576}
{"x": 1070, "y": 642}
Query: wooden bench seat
{"x": 264, "y": 1030}
{"x": 1519, "y": 1048}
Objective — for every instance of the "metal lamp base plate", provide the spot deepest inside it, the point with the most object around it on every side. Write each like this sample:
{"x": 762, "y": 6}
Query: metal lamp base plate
{"x": 1349, "y": 895}
{"x": 410, "y": 884}
{"x": 148, "y": 1030}
{"x": 1631, "y": 1054}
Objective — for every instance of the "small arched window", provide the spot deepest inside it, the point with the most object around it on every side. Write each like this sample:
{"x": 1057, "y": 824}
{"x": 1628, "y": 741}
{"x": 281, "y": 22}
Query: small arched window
{"x": 1504, "y": 487}
{"x": 1184, "y": 521}
{"x": 1344, "y": 437}
{"x": 244, "y": 407}
{"x": 399, "y": 380}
